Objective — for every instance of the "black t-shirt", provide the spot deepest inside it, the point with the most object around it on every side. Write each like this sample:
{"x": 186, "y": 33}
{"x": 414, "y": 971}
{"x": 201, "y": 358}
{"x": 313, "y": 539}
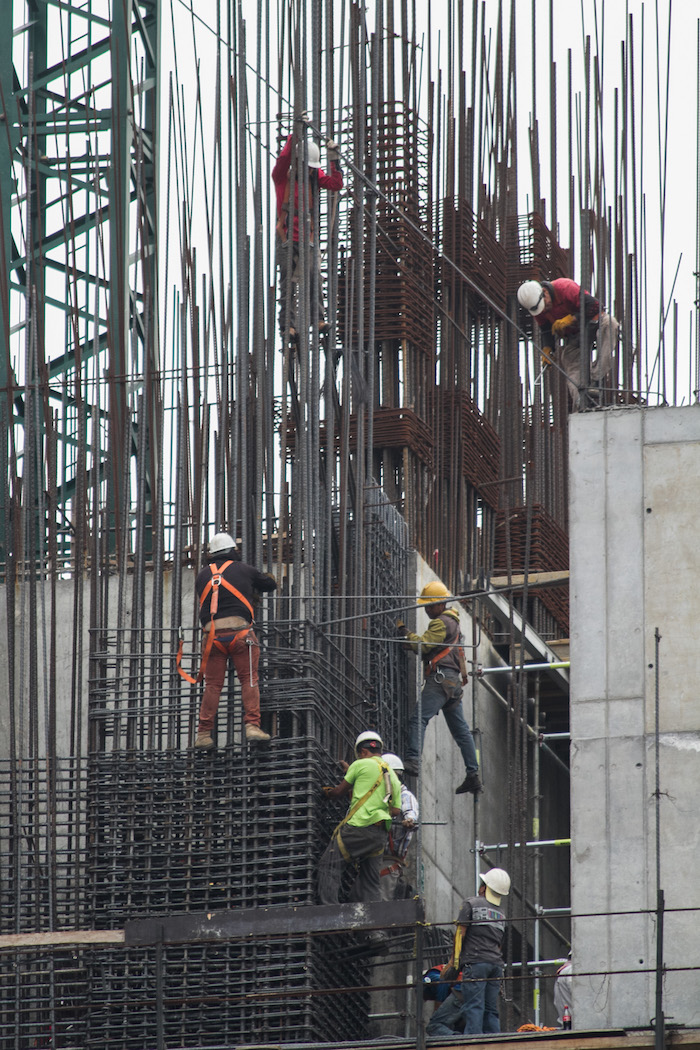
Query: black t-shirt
{"x": 486, "y": 925}
{"x": 245, "y": 578}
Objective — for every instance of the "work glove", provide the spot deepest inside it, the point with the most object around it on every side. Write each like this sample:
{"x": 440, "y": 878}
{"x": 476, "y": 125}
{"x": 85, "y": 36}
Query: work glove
{"x": 547, "y": 356}
{"x": 326, "y": 791}
{"x": 562, "y": 326}
{"x": 305, "y": 119}
{"x": 449, "y": 972}
{"x": 332, "y": 149}
{"x": 401, "y": 629}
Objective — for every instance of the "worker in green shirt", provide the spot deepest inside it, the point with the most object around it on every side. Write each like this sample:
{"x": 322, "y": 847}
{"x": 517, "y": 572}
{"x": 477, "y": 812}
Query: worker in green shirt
{"x": 361, "y": 836}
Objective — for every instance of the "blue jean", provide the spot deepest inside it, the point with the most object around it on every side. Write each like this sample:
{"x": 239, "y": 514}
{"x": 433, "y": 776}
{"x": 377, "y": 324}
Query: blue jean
{"x": 447, "y": 1019}
{"x": 481, "y": 983}
{"x": 442, "y": 692}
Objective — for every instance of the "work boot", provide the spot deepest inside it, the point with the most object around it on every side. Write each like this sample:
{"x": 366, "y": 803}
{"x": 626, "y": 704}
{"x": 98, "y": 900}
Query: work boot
{"x": 255, "y": 733}
{"x": 470, "y": 783}
{"x": 204, "y": 740}
{"x": 410, "y": 766}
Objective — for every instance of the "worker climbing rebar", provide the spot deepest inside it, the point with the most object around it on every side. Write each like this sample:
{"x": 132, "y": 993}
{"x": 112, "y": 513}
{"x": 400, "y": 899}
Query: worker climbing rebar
{"x": 556, "y": 306}
{"x": 445, "y": 674}
{"x": 300, "y": 205}
{"x": 226, "y": 588}
{"x": 361, "y": 836}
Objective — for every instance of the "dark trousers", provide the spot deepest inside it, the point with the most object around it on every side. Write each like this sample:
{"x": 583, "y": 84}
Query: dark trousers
{"x": 288, "y": 261}
{"x": 365, "y": 847}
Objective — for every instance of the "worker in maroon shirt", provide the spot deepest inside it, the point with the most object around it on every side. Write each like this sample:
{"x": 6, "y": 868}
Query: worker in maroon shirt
{"x": 556, "y": 306}
{"x": 299, "y": 205}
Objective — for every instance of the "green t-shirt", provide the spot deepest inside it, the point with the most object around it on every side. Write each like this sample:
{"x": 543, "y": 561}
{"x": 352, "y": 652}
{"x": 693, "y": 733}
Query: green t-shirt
{"x": 362, "y": 774}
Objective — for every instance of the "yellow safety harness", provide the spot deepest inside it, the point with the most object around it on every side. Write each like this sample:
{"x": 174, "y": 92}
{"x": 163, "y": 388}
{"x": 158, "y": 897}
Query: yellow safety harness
{"x": 383, "y": 770}
{"x": 217, "y": 580}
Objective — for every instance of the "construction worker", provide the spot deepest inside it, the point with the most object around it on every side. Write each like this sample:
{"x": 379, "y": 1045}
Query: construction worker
{"x": 361, "y": 836}
{"x": 445, "y": 674}
{"x": 478, "y": 952}
{"x": 227, "y": 588}
{"x": 556, "y": 306}
{"x": 563, "y": 995}
{"x": 393, "y": 883}
{"x": 302, "y": 211}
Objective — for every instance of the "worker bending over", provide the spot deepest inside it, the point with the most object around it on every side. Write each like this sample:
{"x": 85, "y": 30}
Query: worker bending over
{"x": 478, "y": 952}
{"x": 301, "y": 205}
{"x": 227, "y": 588}
{"x": 393, "y": 883}
{"x": 360, "y": 838}
{"x": 556, "y": 306}
{"x": 441, "y": 648}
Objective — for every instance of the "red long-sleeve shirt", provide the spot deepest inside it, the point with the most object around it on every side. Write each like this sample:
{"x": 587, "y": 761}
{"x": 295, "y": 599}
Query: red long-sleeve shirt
{"x": 566, "y": 299}
{"x": 317, "y": 176}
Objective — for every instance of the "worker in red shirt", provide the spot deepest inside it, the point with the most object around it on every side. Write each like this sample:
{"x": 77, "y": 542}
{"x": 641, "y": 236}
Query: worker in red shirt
{"x": 299, "y": 205}
{"x": 556, "y": 306}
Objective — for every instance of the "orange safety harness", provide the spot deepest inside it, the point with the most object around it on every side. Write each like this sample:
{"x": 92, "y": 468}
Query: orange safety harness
{"x": 432, "y": 663}
{"x": 217, "y": 580}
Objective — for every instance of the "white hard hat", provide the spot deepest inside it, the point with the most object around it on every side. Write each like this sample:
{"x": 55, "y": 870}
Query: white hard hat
{"x": 531, "y": 297}
{"x": 221, "y": 541}
{"x": 497, "y": 882}
{"x": 368, "y": 738}
{"x": 394, "y": 761}
{"x": 313, "y": 154}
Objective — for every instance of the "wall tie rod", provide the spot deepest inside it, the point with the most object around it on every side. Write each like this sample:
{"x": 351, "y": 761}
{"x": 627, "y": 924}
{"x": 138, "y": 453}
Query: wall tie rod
{"x": 537, "y": 842}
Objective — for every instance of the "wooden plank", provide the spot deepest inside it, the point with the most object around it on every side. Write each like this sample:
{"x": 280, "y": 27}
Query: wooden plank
{"x": 60, "y": 937}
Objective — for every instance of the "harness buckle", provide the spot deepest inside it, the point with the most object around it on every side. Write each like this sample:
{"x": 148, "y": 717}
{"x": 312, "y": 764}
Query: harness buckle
{"x": 439, "y": 675}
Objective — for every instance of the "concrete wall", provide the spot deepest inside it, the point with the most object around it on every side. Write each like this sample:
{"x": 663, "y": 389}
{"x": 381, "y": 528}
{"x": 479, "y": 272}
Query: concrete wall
{"x": 635, "y": 569}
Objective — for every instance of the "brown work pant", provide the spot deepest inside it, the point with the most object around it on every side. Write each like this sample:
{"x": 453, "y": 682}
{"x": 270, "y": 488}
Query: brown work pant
{"x": 243, "y": 649}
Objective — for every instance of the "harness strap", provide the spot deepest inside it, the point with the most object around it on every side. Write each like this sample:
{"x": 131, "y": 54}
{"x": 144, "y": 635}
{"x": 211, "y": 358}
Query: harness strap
{"x": 392, "y": 869}
{"x": 225, "y": 645}
{"x": 431, "y": 664}
{"x": 217, "y": 580}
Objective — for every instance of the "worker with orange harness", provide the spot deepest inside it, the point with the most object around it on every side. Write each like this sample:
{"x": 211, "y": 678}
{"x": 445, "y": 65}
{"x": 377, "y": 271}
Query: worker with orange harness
{"x": 226, "y": 589}
{"x": 441, "y": 648}
{"x": 360, "y": 838}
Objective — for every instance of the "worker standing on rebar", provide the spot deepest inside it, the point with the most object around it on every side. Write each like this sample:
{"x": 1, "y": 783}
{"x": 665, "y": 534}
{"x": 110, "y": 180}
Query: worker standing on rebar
{"x": 226, "y": 588}
{"x": 394, "y": 885}
{"x": 301, "y": 207}
{"x": 556, "y": 306}
{"x": 445, "y": 674}
{"x": 361, "y": 836}
{"x": 478, "y": 953}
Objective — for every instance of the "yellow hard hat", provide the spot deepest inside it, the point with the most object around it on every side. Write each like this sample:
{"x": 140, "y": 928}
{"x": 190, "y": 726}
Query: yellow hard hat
{"x": 433, "y": 593}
